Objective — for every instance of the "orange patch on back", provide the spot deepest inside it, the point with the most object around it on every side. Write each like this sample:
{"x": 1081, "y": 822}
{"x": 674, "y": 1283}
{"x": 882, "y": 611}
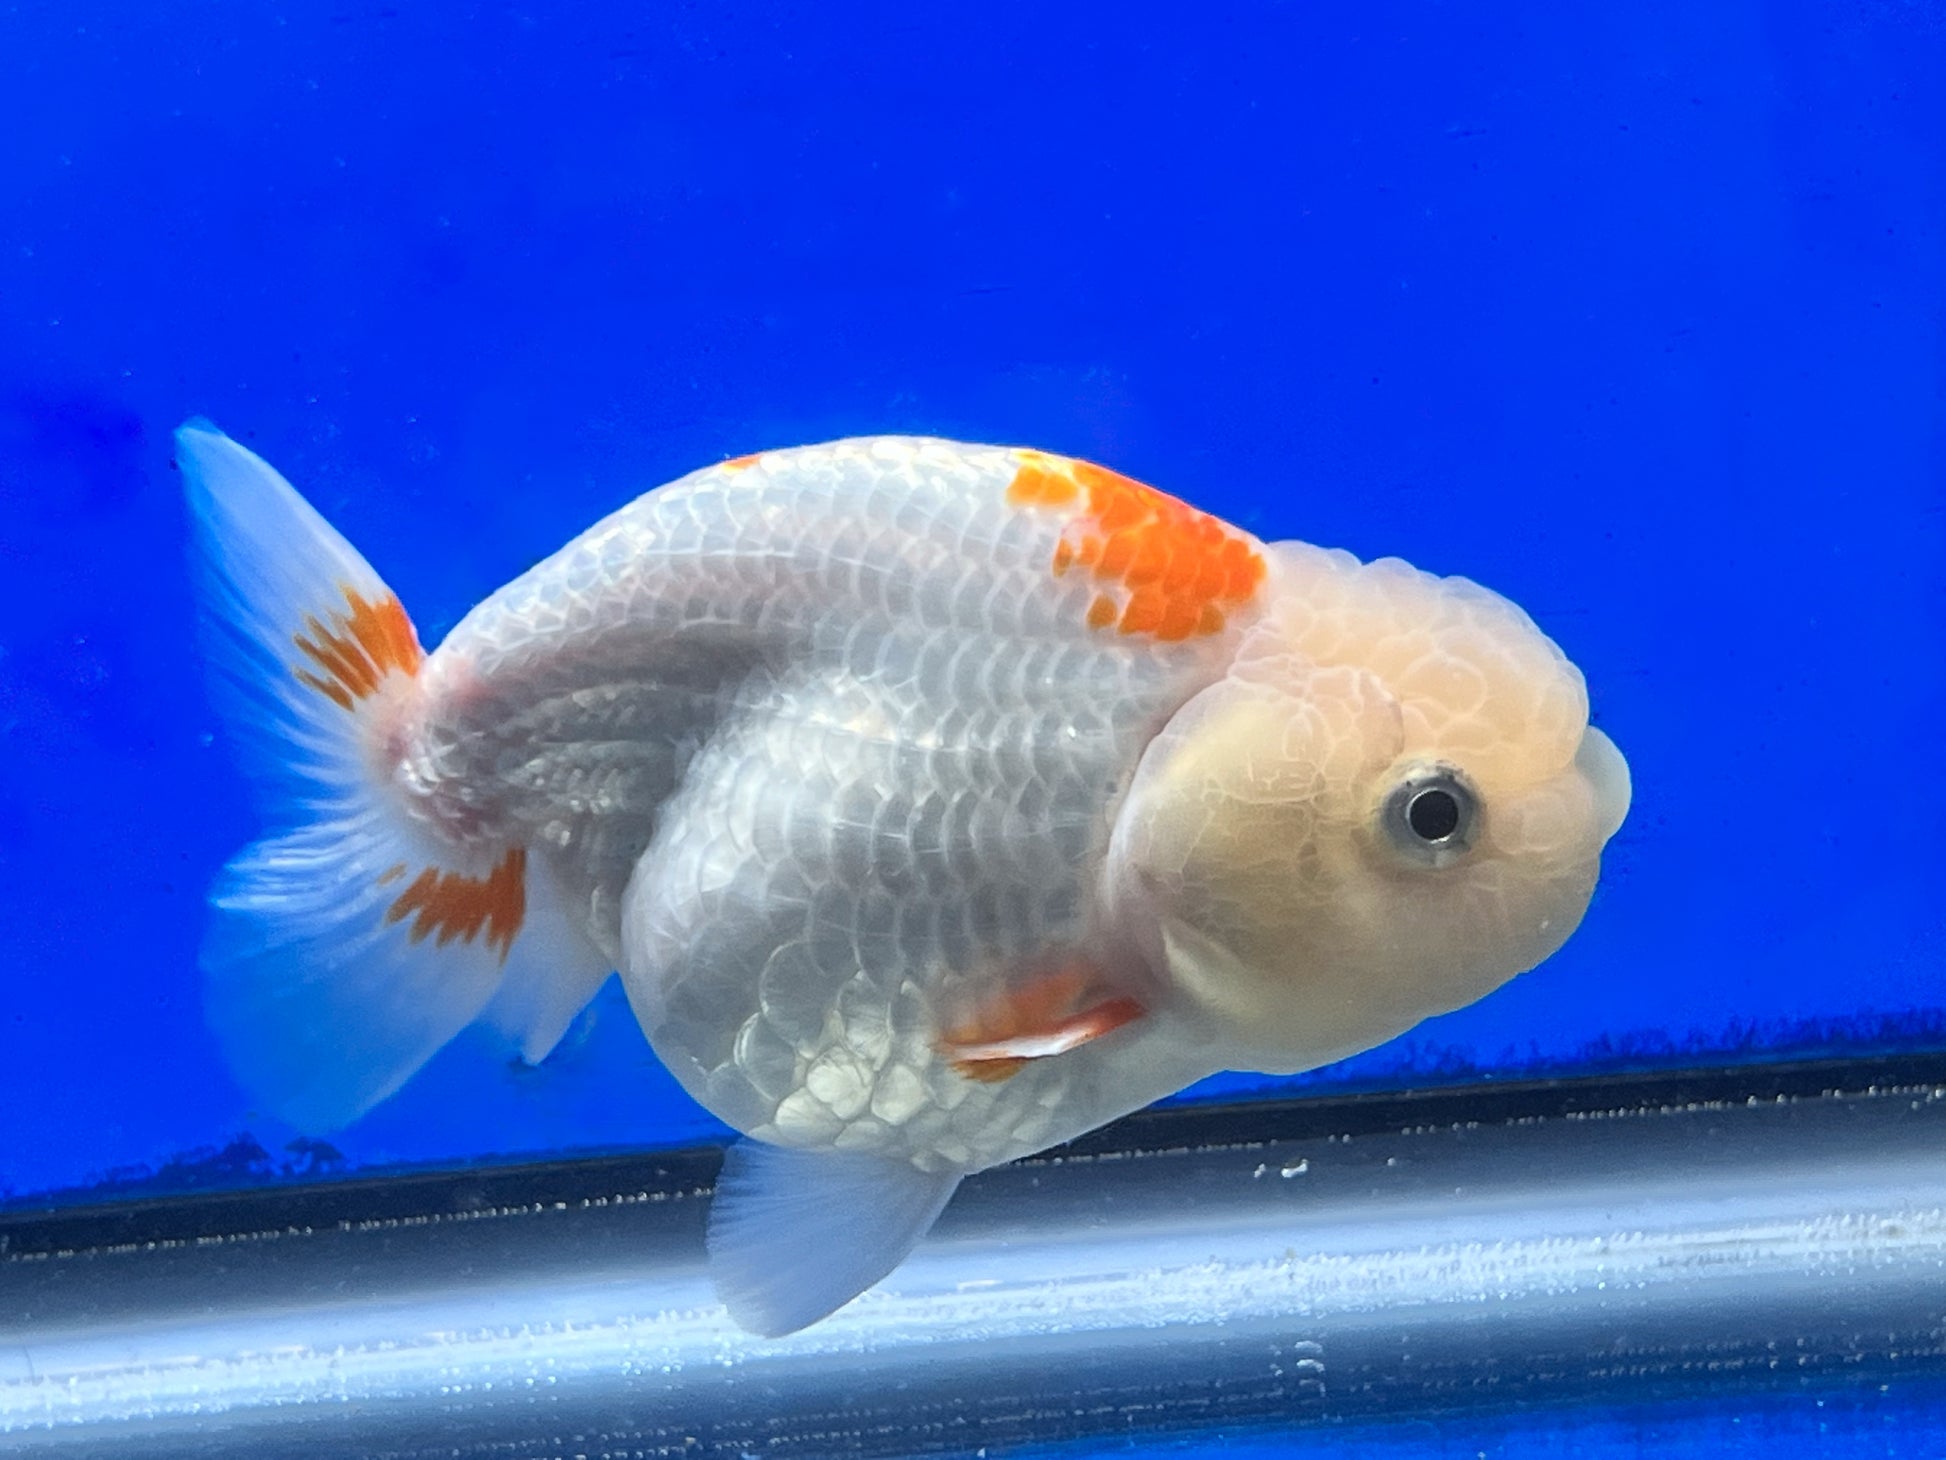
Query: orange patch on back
{"x": 359, "y": 648}
{"x": 1167, "y": 570}
{"x": 1047, "y": 1014}
{"x": 1042, "y": 481}
{"x": 742, "y": 463}
{"x": 447, "y": 905}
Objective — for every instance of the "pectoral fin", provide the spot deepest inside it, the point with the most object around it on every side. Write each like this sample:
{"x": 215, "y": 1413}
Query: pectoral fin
{"x": 1048, "y": 1014}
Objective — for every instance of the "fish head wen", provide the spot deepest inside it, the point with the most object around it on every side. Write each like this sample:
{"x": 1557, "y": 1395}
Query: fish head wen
{"x": 1390, "y": 805}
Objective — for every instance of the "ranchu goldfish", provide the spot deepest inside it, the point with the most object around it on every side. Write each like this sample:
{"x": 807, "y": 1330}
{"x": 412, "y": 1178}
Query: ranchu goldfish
{"x": 936, "y": 803}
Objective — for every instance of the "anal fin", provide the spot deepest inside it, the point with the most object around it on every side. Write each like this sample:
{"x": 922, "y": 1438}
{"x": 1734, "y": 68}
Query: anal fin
{"x": 795, "y": 1235}
{"x": 554, "y": 973}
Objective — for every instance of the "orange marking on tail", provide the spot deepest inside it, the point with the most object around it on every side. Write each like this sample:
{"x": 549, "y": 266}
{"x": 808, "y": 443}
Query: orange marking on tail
{"x": 1173, "y": 571}
{"x": 1046, "y": 1014}
{"x": 359, "y": 648}
{"x": 455, "y": 906}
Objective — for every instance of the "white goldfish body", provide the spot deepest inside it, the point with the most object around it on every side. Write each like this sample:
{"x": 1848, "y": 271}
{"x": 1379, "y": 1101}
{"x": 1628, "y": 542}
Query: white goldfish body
{"x": 937, "y": 803}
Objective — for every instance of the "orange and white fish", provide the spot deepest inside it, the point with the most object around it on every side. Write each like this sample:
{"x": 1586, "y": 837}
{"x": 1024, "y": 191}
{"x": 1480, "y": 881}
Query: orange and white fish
{"x": 937, "y": 803}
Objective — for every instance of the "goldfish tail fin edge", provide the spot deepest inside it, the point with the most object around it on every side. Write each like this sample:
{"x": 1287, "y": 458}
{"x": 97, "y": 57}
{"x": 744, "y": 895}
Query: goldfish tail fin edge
{"x": 302, "y": 637}
{"x": 353, "y": 942}
{"x": 320, "y": 1008}
{"x": 795, "y": 1235}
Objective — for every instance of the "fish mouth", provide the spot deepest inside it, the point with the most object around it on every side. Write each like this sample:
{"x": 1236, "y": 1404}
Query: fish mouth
{"x": 1606, "y": 772}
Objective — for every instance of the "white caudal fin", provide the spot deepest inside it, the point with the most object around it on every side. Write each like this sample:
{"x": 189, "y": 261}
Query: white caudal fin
{"x": 795, "y": 1235}
{"x": 352, "y": 942}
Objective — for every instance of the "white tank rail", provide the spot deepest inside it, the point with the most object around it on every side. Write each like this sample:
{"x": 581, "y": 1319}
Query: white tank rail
{"x": 1273, "y": 1265}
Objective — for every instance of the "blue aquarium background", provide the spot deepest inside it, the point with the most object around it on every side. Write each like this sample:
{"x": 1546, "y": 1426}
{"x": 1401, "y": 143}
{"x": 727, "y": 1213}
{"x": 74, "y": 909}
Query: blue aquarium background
{"x": 1634, "y": 313}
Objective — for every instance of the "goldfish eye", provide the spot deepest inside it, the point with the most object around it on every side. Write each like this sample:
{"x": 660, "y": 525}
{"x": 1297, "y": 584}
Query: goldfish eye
{"x": 1431, "y": 815}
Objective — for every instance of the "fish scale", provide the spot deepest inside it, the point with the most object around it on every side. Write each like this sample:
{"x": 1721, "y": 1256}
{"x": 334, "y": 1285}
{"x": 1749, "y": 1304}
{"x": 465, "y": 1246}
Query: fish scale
{"x": 903, "y": 709}
{"x": 943, "y": 904}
